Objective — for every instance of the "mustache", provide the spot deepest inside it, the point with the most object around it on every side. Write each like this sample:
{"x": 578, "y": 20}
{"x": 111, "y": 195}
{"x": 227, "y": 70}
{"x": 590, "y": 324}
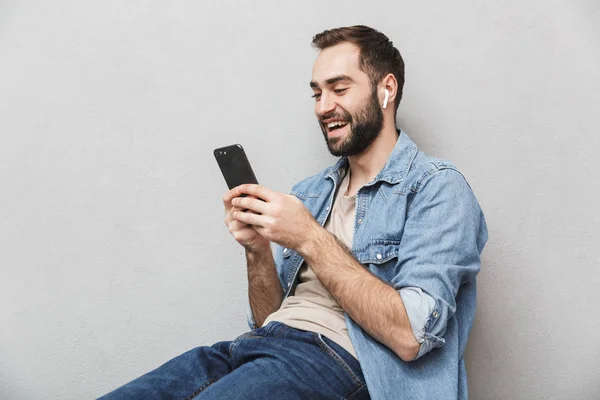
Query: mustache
{"x": 345, "y": 116}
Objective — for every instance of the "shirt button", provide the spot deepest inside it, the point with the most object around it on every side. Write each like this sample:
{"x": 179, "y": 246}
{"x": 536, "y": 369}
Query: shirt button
{"x": 379, "y": 256}
{"x": 289, "y": 283}
{"x": 360, "y": 220}
{"x": 328, "y": 208}
{"x": 435, "y": 314}
{"x": 285, "y": 250}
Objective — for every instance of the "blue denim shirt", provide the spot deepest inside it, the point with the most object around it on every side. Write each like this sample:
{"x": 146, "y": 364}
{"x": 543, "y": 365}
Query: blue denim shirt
{"x": 417, "y": 224}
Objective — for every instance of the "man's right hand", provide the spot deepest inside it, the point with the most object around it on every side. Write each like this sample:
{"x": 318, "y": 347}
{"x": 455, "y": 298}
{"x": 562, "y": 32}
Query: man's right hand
{"x": 243, "y": 233}
{"x": 264, "y": 288}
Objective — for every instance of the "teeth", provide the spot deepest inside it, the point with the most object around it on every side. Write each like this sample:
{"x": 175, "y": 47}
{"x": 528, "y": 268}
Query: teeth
{"x": 335, "y": 123}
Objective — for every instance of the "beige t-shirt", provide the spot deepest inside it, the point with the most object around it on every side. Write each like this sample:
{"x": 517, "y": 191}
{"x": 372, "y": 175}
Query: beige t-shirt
{"x": 312, "y": 308}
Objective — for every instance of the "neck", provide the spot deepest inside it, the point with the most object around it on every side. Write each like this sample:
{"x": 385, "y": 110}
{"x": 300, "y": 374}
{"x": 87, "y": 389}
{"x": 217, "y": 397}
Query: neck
{"x": 365, "y": 166}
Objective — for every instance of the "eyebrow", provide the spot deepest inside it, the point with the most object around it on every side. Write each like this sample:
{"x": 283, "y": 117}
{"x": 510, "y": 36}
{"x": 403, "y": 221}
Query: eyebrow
{"x": 331, "y": 81}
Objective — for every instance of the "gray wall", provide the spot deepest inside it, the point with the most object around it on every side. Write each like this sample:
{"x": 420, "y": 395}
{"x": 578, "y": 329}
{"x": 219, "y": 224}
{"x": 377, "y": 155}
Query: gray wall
{"x": 114, "y": 257}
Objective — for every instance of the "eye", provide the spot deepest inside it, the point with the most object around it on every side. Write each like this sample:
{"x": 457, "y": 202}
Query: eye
{"x": 340, "y": 91}
{"x": 316, "y": 96}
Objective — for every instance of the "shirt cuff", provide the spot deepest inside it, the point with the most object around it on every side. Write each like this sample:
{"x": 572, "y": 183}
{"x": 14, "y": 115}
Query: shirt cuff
{"x": 419, "y": 308}
{"x": 250, "y": 318}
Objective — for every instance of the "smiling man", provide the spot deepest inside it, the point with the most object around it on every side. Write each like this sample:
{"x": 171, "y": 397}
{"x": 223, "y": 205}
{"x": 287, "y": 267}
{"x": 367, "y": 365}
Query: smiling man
{"x": 371, "y": 290}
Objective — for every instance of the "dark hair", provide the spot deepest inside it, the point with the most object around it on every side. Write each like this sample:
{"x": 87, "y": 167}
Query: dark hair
{"x": 378, "y": 56}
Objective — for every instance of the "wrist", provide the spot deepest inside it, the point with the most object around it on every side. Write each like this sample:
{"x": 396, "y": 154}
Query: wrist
{"x": 258, "y": 253}
{"x": 309, "y": 247}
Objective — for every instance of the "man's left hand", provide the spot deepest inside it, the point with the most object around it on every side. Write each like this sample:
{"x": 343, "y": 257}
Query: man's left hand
{"x": 279, "y": 217}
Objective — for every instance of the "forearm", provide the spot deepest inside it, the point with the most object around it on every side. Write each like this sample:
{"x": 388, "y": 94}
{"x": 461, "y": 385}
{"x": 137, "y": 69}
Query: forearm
{"x": 373, "y": 304}
{"x": 264, "y": 290}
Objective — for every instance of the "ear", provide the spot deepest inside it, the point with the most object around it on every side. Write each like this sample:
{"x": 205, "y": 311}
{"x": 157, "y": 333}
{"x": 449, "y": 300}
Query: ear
{"x": 389, "y": 84}
{"x": 386, "y": 98}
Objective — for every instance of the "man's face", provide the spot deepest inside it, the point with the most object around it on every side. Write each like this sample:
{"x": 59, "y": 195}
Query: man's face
{"x": 346, "y": 103}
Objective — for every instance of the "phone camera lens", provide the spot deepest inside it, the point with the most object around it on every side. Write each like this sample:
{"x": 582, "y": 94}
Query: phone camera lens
{"x": 224, "y": 152}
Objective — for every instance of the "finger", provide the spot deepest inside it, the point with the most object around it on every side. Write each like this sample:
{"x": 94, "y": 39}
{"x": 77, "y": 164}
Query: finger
{"x": 244, "y": 235}
{"x": 227, "y": 202}
{"x": 252, "y": 204}
{"x": 249, "y": 218}
{"x": 233, "y": 209}
{"x": 227, "y": 197}
{"x": 233, "y": 193}
{"x": 230, "y": 195}
{"x": 238, "y": 226}
{"x": 256, "y": 190}
{"x": 229, "y": 215}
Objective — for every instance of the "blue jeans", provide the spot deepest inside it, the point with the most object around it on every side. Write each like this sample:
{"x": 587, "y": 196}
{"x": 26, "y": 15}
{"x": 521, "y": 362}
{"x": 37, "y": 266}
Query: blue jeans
{"x": 272, "y": 362}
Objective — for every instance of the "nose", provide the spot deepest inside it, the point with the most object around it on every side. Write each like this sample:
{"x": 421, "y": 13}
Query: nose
{"x": 325, "y": 105}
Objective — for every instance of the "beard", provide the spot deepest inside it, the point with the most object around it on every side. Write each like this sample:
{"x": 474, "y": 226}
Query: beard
{"x": 365, "y": 124}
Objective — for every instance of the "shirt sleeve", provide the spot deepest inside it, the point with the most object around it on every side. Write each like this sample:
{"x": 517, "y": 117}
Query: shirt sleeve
{"x": 419, "y": 307}
{"x": 250, "y": 318}
{"x": 443, "y": 237}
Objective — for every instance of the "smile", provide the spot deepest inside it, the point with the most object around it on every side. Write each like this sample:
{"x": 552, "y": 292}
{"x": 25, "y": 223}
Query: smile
{"x": 335, "y": 125}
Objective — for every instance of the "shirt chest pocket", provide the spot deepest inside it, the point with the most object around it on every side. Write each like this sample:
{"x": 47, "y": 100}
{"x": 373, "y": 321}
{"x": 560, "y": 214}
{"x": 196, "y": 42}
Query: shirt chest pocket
{"x": 383, "y": 221}
{"x": 378, "y": 252}
{"x": 380, "y": 256}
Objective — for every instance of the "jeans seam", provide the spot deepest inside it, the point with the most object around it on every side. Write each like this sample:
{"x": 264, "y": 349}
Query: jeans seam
{"x": 234, "y": 343}
{"x": 203, "y": 387}
{"x": 333, "y": 354}
{"x": 276, "y": 330}
{"x": 279, "y": 332}
{"x": 231, "y": 347}
{"x": 351, "y": 395}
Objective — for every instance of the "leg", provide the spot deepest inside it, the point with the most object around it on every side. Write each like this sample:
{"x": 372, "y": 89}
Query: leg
{"x": 278, "y": 362}
{"x": 180, "y": 378}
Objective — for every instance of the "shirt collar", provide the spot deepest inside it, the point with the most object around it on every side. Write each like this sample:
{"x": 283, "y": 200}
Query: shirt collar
{"x": 394, "y": 170}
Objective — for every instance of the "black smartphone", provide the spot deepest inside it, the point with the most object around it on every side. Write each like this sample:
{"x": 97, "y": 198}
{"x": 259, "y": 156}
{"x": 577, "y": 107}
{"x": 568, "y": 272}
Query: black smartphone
{"x": 234, "y": 165}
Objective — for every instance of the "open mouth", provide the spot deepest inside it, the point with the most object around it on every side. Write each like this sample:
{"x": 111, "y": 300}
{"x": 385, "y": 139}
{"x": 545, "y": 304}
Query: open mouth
{"x": 336, "y": 126}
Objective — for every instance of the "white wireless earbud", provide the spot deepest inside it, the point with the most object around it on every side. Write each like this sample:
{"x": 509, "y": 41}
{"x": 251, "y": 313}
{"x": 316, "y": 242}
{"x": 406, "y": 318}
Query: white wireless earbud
{"x": 385, "y": 99}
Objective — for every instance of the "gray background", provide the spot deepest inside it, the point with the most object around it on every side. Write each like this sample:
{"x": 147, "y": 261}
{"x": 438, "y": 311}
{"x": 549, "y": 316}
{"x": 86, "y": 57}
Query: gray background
{"x": 114, "y": 257}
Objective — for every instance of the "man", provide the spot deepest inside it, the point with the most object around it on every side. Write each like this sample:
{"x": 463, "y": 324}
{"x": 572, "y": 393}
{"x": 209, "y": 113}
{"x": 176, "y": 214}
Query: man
{"x": 371, "y": 291}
